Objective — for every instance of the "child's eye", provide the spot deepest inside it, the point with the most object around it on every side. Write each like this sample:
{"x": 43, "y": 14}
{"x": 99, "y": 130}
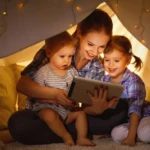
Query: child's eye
{"x": 106, "y": 59}
{"x": 70, "y": 56}
{"x": 62, "y": 56}
{"x": 116, "y": 60}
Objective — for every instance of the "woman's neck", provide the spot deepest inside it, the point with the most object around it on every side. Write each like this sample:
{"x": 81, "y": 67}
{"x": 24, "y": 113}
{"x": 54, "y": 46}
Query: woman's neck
{"x": 80, "y": 60}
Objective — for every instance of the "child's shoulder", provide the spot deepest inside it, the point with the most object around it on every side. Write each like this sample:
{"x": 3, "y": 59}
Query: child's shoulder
{"x": 131, "y": 78}
{"x": 44, "y": 69}
{"x": 133, "y": 75}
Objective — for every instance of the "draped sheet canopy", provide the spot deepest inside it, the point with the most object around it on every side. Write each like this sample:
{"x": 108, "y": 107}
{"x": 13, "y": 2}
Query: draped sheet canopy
{"x": 26, "y": 22}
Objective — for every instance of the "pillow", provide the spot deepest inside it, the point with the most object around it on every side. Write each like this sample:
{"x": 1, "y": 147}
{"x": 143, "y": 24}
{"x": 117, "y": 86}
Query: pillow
{"x": 8, "y": 94}
{"x": 10, "y": 99}
{"x": 21, "y": 99}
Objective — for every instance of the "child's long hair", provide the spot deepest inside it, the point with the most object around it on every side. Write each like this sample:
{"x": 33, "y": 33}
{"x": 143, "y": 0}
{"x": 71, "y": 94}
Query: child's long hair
{"x": 122, "y": 44}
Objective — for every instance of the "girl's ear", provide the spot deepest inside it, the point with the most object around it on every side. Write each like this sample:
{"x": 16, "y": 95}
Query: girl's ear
{"x": 79, "y": 33}
{"x": 48, "y": 53}
{"x": 129, "y": 60}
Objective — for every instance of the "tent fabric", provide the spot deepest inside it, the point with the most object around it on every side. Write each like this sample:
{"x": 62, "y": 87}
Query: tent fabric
{"x": 33, "y": 21}
{"x": 135, "y": 16}
{"x": 37, "y": 20}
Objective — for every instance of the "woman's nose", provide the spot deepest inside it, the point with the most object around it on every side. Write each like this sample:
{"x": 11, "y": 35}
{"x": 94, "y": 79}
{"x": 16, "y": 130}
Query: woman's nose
{"x": 95, "y": 51}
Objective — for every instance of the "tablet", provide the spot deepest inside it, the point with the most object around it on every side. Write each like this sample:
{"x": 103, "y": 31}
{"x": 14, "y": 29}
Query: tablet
{"x": 80, "y": 86}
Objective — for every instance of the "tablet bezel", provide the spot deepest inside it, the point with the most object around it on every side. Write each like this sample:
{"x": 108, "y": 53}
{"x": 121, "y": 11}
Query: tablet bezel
{"x": 80, "y": 86}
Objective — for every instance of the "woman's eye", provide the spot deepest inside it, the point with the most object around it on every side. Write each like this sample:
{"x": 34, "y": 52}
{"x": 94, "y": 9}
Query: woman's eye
{"x": 116, "y": 60}
{"x": 102, "y": 47}
{"x": 62, "y": 56}
{"x": 90, "y": 44}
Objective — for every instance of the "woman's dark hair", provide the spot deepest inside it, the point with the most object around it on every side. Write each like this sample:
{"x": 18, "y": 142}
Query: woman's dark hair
{"x": 98, "y": 20}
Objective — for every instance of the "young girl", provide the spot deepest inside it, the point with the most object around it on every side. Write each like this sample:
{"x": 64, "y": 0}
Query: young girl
{"x": 117, "y": 56}
{"x": 59, "y": 74}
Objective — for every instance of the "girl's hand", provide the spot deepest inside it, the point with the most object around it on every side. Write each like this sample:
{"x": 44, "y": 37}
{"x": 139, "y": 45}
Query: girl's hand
{"x": 99, "y": 102}
{"x": 130, "y": 141}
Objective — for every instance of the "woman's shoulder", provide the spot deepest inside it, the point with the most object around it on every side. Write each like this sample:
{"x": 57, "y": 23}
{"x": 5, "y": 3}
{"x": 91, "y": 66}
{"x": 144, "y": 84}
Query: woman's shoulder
{"x": 96, "y": 63}
{"x": 73, "y": 71}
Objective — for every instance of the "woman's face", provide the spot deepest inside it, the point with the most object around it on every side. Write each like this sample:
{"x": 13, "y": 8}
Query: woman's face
{"x": 93, "y": 44}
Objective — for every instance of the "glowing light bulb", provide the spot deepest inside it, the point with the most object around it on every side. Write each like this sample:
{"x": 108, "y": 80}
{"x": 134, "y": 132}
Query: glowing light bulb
{"x": 4, "y": 13}
{"x": 20, "y": 5}
{"x": 68, "y": 0}
{"x": 71, "y": 25}
{"x": 147, "y": 10}
{"x": 143, "y": 41}
{"x": 137, "y": 26}
{"x": 78, "y": 8}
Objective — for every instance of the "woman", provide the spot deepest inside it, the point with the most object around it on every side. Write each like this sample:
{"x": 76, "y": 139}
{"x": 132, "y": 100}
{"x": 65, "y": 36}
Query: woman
{"x": 92, "y": 34}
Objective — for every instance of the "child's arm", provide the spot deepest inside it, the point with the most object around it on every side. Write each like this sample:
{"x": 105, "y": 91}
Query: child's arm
{"x": 131, "y": 137}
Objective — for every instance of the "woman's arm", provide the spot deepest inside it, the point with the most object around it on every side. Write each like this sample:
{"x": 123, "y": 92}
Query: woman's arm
{"x": 99, "y": 102}
{"x": 32, "y": 89}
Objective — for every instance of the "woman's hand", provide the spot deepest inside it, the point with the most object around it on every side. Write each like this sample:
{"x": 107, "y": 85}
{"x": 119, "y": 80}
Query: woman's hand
{"x": 61, "y": 98}
{"x": 99, "y": 102}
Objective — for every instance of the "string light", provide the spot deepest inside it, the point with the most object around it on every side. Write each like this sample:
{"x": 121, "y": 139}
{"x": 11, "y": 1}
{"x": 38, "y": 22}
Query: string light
{"x": 3, "y": 25}
{"x": 140, "y": 24}
{"x": 73, "y": 12}
{"x": 116, "y": 3}
{"x": 77, "y": 8}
